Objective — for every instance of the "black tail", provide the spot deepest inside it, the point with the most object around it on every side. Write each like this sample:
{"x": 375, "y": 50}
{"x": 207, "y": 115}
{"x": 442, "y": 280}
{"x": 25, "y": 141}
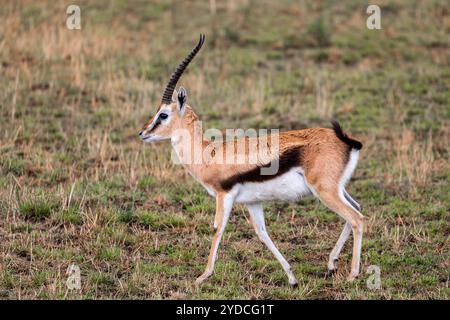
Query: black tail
{"x": 344, "y": 137}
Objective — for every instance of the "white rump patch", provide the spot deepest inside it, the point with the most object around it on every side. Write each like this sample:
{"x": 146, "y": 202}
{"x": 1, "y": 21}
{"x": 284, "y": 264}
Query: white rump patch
{"x": 348, "y": 171}
{"x": 350, "y": 167}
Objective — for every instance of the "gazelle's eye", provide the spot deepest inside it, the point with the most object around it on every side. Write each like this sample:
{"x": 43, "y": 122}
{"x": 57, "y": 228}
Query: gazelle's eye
{"x": 163, "y": 116}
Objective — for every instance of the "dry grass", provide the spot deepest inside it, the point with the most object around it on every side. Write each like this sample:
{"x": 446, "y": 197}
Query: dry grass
{"x": 414, "y": 160}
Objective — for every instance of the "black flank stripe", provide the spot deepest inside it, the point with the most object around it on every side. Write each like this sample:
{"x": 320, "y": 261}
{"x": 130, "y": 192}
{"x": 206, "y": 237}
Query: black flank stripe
{"x": 288, "y": 159}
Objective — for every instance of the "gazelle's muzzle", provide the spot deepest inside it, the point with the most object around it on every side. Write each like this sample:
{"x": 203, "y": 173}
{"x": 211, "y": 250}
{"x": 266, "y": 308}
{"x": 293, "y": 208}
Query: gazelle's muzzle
{"x": 147, "y": 136}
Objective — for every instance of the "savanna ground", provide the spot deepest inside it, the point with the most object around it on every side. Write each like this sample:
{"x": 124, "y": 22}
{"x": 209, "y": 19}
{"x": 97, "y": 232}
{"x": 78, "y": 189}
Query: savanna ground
{"x": 78, "y": 186}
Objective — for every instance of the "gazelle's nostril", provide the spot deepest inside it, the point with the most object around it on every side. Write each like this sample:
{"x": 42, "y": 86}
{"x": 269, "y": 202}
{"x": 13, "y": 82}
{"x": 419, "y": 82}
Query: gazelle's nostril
{"x": 140, "y": 133}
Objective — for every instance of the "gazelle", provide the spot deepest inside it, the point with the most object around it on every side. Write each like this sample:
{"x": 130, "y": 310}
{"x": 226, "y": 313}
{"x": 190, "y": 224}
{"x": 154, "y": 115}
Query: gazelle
{"x": 317, "y": 162}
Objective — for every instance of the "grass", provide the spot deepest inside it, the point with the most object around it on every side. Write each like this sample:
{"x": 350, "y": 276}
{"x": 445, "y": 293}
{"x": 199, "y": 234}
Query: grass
{"x": 37, "y": 209}
{"x": 77, "y": 185}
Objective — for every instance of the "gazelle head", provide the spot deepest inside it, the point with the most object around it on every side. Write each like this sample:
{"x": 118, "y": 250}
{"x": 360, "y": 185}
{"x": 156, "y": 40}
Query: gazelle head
{"x": 169, "y": 116}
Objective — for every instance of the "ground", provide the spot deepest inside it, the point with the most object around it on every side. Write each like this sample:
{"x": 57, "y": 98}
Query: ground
{"x": 77, "y": 186}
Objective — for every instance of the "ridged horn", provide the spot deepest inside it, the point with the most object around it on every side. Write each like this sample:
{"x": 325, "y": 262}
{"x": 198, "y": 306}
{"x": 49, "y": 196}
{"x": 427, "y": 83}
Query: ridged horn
{"x": 167, "y": 95}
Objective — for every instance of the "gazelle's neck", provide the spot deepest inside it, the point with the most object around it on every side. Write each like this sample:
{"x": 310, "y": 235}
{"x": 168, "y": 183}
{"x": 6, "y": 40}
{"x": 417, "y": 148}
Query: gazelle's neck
{"x": 188, "y": 142}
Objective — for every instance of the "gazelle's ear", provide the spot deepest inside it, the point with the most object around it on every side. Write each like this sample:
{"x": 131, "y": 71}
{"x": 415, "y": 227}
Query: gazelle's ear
{"x": 181, "y": 100}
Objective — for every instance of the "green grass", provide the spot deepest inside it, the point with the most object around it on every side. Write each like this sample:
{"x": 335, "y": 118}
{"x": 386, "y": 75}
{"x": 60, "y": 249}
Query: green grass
{"x": 77, "y": 185}
{"x": 37, "y": 209}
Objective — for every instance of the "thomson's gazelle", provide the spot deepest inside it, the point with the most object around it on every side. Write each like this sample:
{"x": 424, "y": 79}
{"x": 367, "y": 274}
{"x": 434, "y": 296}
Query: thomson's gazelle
{"x": 316, "y": 161}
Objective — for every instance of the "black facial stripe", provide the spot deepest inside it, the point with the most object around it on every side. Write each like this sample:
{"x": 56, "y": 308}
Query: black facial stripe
{"x": 157, "y": 123}
{"x": 287, "y": 160}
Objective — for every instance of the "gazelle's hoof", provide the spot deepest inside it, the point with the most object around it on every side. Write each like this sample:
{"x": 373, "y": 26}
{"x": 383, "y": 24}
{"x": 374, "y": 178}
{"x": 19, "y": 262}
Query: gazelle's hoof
{"x": 293, "y": 282}
{"x": 331, "y": 264}
{"x": 202, "y": 278}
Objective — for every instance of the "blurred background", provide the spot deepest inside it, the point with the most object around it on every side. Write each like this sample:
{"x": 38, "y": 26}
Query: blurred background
{"x": 77, "y": 186}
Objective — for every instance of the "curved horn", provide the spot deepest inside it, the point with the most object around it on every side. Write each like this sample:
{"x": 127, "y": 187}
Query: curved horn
{"x": 167, "y": 95}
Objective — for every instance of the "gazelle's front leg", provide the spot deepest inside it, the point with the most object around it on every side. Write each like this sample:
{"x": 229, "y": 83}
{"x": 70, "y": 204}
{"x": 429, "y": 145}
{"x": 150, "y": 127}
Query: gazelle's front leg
{"x": 224, "y": 203}
{"x": 217, "y": 217}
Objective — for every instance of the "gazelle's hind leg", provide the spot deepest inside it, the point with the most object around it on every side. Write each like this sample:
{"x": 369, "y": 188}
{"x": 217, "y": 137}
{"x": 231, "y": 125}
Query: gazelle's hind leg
{"x": 352, "y": 201}
{"x": 336, "y": 201}
{"x": 338, "y": 248}
{"x": 334, "y": 255}
{"x": 257, "y": 219}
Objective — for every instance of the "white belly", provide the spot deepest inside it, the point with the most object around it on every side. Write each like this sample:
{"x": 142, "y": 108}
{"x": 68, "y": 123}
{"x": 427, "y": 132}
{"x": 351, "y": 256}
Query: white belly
{"x": 291, "y": 186}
